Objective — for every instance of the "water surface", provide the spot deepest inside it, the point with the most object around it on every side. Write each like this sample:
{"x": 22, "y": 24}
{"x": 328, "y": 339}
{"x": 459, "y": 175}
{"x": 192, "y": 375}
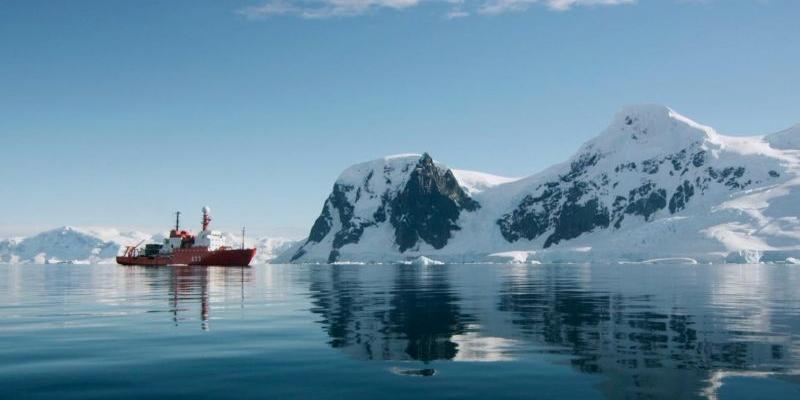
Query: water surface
{"x": 400, "y": 332}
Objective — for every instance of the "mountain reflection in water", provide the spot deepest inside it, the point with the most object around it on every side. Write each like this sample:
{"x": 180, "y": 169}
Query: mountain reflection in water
{"x": 466, "y": 331}
{"x": 649, "y": 331}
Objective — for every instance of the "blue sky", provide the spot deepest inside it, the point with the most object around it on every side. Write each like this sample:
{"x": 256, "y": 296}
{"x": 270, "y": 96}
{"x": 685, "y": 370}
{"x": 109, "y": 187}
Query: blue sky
{"x": 116, "y": 113}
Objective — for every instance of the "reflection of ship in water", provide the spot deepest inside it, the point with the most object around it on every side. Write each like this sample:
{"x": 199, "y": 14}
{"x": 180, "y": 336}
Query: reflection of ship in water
{"x": 192, "y": 289}
{"x": 646, "y": 342}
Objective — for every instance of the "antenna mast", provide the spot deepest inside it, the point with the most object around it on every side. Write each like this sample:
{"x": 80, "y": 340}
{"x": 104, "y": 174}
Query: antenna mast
{"x": 206, "y": 217}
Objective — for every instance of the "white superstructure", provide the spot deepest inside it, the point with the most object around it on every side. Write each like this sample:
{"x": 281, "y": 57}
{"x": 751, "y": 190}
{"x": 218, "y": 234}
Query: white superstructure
{"x": 211, "y": 239}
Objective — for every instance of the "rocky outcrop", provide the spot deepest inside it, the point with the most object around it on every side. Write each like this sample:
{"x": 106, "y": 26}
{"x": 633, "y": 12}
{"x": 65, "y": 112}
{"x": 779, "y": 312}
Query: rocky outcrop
{"x": 428, "y": 207}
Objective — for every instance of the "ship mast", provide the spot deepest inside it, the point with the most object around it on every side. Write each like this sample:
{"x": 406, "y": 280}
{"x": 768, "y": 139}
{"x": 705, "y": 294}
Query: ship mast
{"x": 242, "y": 238}
{"x": 206, "y": 217}
{"x": 177, "y": 221}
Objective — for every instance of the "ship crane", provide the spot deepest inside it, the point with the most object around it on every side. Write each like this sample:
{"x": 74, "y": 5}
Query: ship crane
{"x": 131, "y": 250}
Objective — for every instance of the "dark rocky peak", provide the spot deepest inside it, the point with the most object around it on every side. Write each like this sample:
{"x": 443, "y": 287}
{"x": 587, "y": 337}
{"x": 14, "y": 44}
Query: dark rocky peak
{"x": 428, "y": 206}
{"x": 429, "y": 179}
{"x": 422, "y": 200}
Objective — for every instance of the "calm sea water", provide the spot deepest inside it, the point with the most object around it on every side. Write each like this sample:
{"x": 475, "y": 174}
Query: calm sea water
{"x": 400, "y": 332}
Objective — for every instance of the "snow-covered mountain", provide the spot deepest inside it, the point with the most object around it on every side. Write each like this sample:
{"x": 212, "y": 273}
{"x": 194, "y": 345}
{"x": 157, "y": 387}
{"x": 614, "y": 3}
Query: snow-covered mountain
{"x": 101, "y": 245}
{"x": 271, "y": 247}
{"x": 653, "y": 185}
{"x": 69, "y": 244}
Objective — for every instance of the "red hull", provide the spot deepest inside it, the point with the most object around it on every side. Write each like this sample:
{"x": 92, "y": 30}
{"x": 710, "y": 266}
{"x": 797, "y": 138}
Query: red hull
{"x": 194, "y": 256}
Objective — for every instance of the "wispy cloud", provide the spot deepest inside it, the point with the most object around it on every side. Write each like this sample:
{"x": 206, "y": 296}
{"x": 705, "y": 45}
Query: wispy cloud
{"x": 456, "y": 13}
{"x": 457, "y": 9}
{"x": 503, "y": 6}
{"x": 315, "y": 9}
{"x": 322, "y": 8}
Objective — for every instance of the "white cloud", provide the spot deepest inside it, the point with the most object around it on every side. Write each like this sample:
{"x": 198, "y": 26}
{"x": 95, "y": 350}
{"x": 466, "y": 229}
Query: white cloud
{"x": 503, "y": 6}
{"x": 456, "y": 8}
{"x": 456, "y": 13}
{"x": 322, "y": 8}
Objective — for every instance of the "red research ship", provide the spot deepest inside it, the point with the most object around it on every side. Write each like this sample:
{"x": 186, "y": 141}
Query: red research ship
{"x": 183, "y": 248}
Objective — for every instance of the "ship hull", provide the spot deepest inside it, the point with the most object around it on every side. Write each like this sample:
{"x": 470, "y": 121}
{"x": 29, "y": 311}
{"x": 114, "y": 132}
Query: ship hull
{"x": 194, "y": 256}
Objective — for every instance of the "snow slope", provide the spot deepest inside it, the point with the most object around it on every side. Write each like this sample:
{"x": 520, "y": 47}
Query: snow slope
{"x": 653, "y": 185}
{"x": 475, "y": 182}
{"x": 788, "y": 139}
{"x": 268, "y": 248}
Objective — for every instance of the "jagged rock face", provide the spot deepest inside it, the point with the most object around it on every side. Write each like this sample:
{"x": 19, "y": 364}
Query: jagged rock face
{"x": 575, "y": 204}
{"x": 428, "y": 207}
{"x": 351, "y": 230}
{"x": 558, "y": 208}
{"x": 422, "y": 201}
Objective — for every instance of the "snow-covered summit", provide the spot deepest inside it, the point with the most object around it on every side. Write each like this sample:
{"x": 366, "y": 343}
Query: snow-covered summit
{"x": 380, "y": 174}
{"x": 643, "y": 131}
{"x": 394, "y": 170}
